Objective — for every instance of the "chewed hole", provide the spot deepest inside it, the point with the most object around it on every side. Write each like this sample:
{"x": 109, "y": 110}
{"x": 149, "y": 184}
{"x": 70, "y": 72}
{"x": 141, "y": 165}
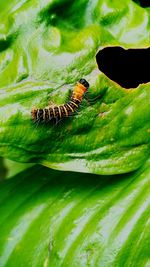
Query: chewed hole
{"x": 128, "y": 68}
{"x": 143, "y": 3}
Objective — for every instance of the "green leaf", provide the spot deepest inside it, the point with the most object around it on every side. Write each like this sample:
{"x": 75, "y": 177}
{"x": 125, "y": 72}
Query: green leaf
{"x": 45, "y": 48}
{"x": 53, "y": 218}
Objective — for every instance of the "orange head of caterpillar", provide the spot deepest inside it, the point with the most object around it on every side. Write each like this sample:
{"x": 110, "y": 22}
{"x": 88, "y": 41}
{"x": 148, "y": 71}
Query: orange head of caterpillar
{"x": 80, "y": 89}
{"x": 84, "y": 83}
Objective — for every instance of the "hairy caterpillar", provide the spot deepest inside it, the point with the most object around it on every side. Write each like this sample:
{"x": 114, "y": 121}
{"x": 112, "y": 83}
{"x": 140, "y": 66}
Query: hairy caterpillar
{"x": 58, "y": 112}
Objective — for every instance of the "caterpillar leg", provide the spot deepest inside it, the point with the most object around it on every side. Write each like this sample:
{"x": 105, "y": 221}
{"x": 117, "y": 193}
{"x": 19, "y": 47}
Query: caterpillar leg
{"x": 37, "y": 123}
{"x": 57, "y": 120}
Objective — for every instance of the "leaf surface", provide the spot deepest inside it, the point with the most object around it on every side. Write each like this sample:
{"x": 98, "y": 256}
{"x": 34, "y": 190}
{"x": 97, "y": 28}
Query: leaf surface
{"x": 67, "y": 219}
{"x": 45, "y": 48}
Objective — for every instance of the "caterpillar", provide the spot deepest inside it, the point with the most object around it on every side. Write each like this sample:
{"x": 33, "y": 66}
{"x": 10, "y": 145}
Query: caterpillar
{"x": 61, "y": 111}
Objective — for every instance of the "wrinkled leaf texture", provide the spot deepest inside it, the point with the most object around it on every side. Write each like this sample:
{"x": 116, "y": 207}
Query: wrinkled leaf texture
{"x": 45, "y": 48}
{"x": 50, "y": 218}
{"x": 73, "y": 219}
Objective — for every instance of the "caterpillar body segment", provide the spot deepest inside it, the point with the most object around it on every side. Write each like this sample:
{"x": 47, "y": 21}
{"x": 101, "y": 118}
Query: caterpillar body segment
{"x": 61, "y": 111}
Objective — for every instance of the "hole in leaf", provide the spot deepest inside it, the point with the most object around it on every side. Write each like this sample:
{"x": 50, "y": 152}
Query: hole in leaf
{"x": 143, "y": 3}
{"x": 129, "y": 68}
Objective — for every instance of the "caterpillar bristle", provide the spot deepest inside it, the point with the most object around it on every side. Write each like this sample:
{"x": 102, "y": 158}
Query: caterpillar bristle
{"x": 67, "y": 110}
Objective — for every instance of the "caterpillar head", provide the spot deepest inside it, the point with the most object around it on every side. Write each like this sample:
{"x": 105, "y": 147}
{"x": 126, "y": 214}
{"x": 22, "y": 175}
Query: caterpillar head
{"x": 84, "y": 83}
